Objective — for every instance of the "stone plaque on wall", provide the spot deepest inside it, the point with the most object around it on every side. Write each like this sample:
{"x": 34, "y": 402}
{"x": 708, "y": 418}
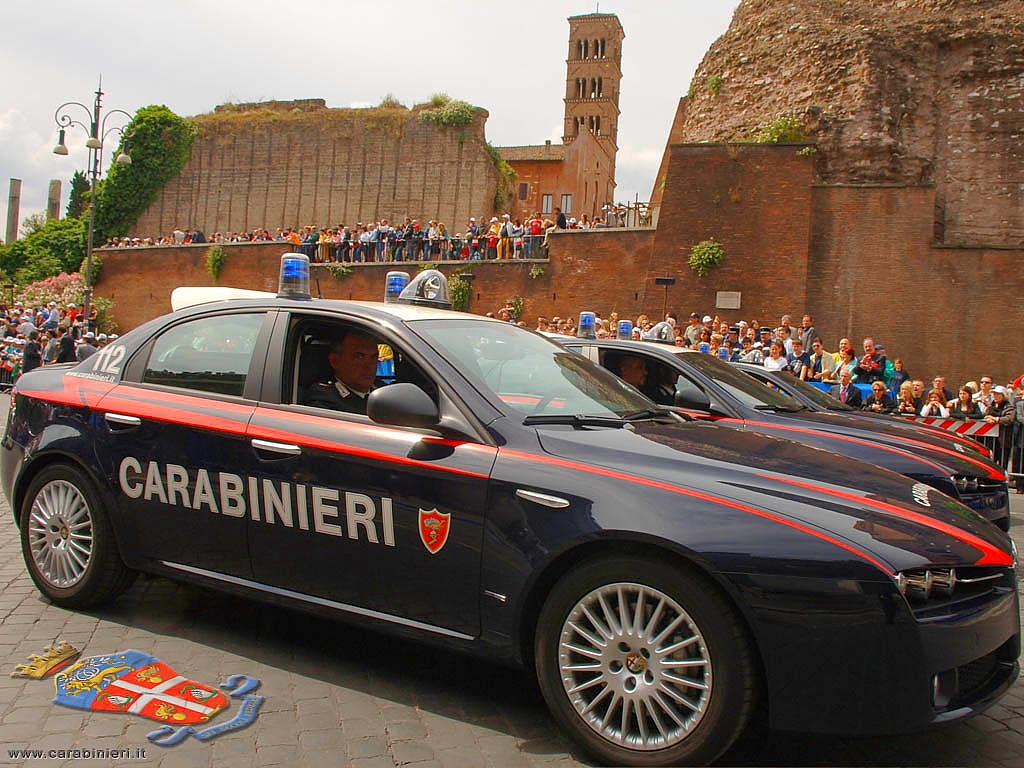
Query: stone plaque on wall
{"x": 727, "y": 300}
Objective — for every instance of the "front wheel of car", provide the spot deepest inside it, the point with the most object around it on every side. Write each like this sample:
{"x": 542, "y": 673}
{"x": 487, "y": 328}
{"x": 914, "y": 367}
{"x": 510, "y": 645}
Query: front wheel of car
{"x": 644, "y": 663}
{"x": 67, "y": 541}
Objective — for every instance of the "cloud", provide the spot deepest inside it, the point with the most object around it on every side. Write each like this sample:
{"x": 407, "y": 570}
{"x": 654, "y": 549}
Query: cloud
{"x": 27, "y": 154}
{"x": 635, "y": 169}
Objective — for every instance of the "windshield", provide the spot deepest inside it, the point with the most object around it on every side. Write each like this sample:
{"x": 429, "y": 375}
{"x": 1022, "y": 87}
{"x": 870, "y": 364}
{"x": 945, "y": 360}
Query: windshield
{"x": 748, "y": 390}
{"x": 815, "y": 395}
{"x": 528, "y": 373}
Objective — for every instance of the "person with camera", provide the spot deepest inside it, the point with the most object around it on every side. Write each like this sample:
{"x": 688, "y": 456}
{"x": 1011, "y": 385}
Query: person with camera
{"x": 871, "y": 367}
{"x": 879, "y": 401}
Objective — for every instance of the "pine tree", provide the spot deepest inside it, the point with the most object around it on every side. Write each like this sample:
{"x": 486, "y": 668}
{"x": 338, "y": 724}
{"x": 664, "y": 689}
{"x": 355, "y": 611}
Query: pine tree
{"x": 79, "y": 197}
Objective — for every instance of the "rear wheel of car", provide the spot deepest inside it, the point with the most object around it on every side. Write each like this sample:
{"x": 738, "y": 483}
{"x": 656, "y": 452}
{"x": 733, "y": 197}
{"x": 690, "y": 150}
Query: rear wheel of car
{"x": 644, "y": 663}
{"x": 67, "y": 541}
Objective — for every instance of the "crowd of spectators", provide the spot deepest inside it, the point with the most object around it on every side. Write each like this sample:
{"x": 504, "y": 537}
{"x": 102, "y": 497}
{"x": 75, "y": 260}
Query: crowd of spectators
{"x": 35, "y": 336}
{"x": 479, "y": 238}
{"x": 883, "y": 385}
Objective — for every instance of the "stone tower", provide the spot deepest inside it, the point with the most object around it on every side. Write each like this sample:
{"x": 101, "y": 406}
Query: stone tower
{"x": 592, "y": 78}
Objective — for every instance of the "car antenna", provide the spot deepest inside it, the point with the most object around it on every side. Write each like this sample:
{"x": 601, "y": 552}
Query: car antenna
{"x": 319, "y": 293}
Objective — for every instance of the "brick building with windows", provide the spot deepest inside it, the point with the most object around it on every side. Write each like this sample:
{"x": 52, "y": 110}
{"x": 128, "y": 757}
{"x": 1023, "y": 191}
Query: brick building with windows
{"x": 577, "y": 176}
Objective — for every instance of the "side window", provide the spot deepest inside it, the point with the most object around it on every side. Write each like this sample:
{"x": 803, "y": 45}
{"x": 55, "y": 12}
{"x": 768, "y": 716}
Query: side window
{"x": 321, "y": 357}
{"x": 211, "y": 354}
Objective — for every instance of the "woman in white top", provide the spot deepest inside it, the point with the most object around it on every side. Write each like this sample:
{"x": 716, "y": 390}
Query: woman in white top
{"x": 776, "y": 360}
{"x": 936, "y": 405}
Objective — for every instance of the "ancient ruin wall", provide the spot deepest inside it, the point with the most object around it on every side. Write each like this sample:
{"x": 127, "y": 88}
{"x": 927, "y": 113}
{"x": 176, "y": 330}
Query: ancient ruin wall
{"x": 291, "y": 164}
{"x": 895, "y": 92}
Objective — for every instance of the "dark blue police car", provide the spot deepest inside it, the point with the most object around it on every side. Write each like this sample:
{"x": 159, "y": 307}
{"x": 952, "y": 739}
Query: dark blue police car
{"x": 819, "y": 401}
{"x": 664, "y": 577}
{"x": 712, "y": 389}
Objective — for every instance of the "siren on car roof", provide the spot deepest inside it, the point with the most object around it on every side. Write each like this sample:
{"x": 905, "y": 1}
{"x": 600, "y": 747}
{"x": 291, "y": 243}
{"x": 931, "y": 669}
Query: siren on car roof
{"x": 394, "y": 284}
{"x": 661, "y": 332}
{"x": 294, "y": 280}
{"x": 428, "y": 289}
{"x": 587, "y": 326}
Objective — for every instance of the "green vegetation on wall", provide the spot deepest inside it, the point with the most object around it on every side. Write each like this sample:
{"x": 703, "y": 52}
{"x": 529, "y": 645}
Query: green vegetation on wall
{"x": 159, "y": 143}
{"x": 216, "y": 258}
{"x": 786, "y": 129}
{"x": 459, "y": 291}
{"x": 705, "y": 256}
{"x": 451, "y": 112}
{"x": 506, "y": 177}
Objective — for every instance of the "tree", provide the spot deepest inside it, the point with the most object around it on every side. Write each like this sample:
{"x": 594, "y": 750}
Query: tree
{"x": 33, "y": 223}
{"x": 79, "y": 197}
{"x": 57, "y": 246}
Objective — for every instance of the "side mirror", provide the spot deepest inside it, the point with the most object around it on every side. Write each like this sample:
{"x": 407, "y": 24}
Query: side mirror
{"x": 402, "y": 405}
{"x": 688, "y": 396}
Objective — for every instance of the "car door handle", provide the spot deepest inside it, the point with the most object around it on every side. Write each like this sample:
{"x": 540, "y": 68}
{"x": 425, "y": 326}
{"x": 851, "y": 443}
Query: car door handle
{"x": 116, "y": 420}
{"x": 555, "y": 502}
{"x": 286, "y": 448}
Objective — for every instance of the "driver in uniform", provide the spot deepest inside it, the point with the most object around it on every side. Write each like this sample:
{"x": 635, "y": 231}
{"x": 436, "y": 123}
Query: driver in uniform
{"x": 353, "y": 359}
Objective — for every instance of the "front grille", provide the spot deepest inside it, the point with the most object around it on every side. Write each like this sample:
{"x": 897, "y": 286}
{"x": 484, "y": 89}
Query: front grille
{"x": 991, "y": 500}
{"x": 973, "y": 682}
{"x": 940, "y": 592}
{"x": 974, "y": 677}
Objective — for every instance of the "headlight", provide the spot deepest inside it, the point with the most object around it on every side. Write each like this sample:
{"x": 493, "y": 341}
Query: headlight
{"x": 965, "y": 483}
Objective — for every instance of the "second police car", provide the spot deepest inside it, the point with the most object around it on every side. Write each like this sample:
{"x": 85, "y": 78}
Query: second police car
{"x": 712, "y": 389}
{"x": 664, "y": 577}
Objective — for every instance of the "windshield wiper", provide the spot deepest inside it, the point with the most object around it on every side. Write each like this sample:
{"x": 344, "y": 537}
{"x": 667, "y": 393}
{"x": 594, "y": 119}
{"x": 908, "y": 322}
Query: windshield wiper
{"x": 576, "y": 420}
{"x": 653, "y": 413}
{"x": 783, "y": 408}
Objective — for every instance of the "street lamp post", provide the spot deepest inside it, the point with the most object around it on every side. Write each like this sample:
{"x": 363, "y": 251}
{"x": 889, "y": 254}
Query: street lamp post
{"x": 98, "y": 132}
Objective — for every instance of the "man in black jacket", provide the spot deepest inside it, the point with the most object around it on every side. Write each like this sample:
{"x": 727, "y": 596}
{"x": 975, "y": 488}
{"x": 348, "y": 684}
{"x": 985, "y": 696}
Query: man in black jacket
{"x": 871, "y": 367}
{"x": 879, "y": 401}
{"x": 65, "y": 346}
{"x": 353, "y": 359}
{"x": 32, "y": 357}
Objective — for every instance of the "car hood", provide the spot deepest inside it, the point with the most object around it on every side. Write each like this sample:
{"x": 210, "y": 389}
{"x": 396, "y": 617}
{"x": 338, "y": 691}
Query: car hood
{"x": 903, "y": 523}
{"x": 882, "y": 443}
{"x": 900, "y": 427}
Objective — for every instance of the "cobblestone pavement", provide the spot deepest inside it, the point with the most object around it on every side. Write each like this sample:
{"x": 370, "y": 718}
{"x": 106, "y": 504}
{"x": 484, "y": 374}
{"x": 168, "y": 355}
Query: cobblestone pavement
{"x": 338, "y": 696}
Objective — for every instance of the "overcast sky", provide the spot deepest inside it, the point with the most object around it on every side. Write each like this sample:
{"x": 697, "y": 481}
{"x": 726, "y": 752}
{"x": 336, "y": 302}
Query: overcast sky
{"x": 194, "y": 54}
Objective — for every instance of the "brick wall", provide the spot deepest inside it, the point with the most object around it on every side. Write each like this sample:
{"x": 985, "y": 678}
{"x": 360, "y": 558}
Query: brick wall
{"x": 753, "y": 199}
{"x": 269, "y": 166}
{"x": 874, "y": 271}
{"x": 599, "y": 270}
{"x": 861, "y": 260}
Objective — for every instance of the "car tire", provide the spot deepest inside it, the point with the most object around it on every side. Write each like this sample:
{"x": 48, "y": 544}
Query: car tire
{"x": 617, "y": 640}
{"x": 67, "y": 541}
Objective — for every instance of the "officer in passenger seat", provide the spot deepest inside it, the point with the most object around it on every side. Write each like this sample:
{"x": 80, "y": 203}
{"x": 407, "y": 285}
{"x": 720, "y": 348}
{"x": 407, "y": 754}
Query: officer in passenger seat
{"x": 353, "y": 359}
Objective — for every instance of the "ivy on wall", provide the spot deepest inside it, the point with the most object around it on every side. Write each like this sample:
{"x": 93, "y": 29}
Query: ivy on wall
{"x": 159, "y": 143}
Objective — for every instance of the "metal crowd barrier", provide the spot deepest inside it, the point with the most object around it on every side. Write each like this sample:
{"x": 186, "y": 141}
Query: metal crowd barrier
{"x": 422, "y": 249}
{"x": 6, "y": 379}
{"x": 1008, "y": 450}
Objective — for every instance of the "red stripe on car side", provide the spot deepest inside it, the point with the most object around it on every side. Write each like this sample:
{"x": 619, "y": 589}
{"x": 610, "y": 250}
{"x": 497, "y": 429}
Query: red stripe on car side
{"x": 991, "y": 555}
{"x": 858, "y": 441}
{"x": 704, "y": 497}
{"x": 329, "y": 445}
{"x": 153, "y": 409}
